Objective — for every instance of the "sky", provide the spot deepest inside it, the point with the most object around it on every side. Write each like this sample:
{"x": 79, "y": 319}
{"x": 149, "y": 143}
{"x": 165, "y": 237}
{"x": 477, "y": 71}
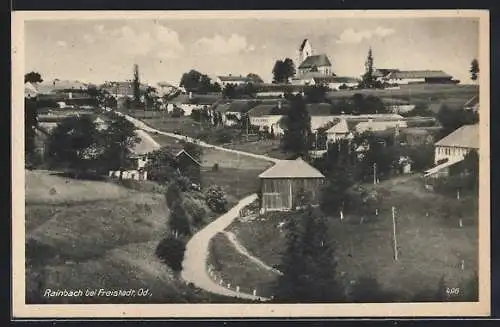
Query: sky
{"x": 98, "y": 50}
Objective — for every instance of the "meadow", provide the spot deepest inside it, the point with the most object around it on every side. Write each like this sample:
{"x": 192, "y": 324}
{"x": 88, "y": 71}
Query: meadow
{"x": 95, "y": 234}
{"x": 430, "y": 242}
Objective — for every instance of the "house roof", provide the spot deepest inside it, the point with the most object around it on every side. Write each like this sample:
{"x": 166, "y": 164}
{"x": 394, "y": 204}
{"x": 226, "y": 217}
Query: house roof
{"x": 146, "y": 144}
{"x": 335, "y": 79}
{"x": 205, "y": 99}
{"x": 30, "y": 90}
{"x": 56, "y": 84}
{"x": 319, "y": 109}
{"x": 339, "y": 128}
{"x": 188, "y": 155}
{"x": 418, "y": 74}
{"x": 316, "y": 61}
{"x": 474, "y": 101}
{"x": 437, "y": 168}
{"x": 266, "y": 109}
{"x": 292, "y": 169}
{"x": 302, "y": 45}
{"x": 381, "y": 72}
{"x": 180, "y": 99}
{"x": 466, "y": 136}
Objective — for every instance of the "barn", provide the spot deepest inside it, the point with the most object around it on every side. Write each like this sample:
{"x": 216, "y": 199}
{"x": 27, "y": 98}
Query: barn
{"x": 282, "y": 185}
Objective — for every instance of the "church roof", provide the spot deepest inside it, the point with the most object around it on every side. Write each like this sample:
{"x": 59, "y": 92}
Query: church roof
{"x": 303, "y": 44}
{"x": 316, "y": 61}
{"x": 292, "y": 169}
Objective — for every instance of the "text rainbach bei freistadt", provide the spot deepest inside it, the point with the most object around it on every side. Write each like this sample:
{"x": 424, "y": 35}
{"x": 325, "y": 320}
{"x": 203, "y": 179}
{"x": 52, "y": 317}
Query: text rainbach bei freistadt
{"x": 97, "y": 292}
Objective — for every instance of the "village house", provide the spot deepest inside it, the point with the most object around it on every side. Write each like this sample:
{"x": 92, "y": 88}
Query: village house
{"x": 453, "y": 148}
{"x": 379, "y": 125}
{"x": 188, "y": 166}
{"x": 342, "y": 130}
{"x": 232, "y": 112}
{"x": 419, "y": 77}
{"x": 336, "y": 83}
{"x": 138, "y": 158}
{"x": 320, "y": 114}
{"x": 310, "y": 63}
{"x": 472, "y": 104}
{"x": 30, "y": 91}
{"x": 282, "y": 185}
{"x": 381, "y": 74}
{"x": 231, "y": 79}
{"x": 268, "y": 117}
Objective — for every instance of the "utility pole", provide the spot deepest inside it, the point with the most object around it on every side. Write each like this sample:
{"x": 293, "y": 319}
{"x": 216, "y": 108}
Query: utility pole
{"x": 374, "y": 173}
{"x": 394, "y": 233}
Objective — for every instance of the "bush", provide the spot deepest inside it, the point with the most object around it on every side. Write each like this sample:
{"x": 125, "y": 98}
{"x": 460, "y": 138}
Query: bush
{"x": 173, "y": 194}
{"x": 215, "y": 167}
{"x": 196, "y": 210}
{"x": 171, "y": 251}
{"x": 178, "y": 221}
{"x": 216, "y": 199}
{"x": 177, "y": 112}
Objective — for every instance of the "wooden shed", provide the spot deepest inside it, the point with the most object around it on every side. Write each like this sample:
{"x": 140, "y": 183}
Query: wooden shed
{"x": 283, "y": 185}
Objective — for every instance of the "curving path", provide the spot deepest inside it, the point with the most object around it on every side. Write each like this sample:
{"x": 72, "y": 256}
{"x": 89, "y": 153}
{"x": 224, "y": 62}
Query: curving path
{"x": 141, "y": 125}
{"x": 241, "y": 249}
{"x": 194, "y": 268}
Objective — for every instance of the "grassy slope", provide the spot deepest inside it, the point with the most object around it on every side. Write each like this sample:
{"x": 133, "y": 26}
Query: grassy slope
{"x": 428, "y": 246}
{"x": 97, "y": 235}
{"x": 236, "y": 269}
{"x": 417, "y": 93}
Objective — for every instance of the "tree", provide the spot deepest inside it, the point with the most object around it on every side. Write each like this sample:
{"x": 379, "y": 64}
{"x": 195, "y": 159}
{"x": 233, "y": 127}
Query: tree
{"x": 474, "y": 69}
{"x": 75, "y": 144}
{"x": 136, "y": 84}
{"x": 451, "y": 120}
{"x": 161, "y": 165}
{"x": 254, "y": 78}
{"x": 334, "y": 194}
{"x": 178, "y": 221}
{"x": 297, "y": 128}
{"x": 283, "y": 70}
{"x": 229, "y": 91}
{"x": 171, "y": 251}
{"x": 311, "y": 276}
{"x": 33, "y": 77}
{"x": 216, "y": 199}
{"x": 119, "y": 139}
{"x": 368, "y": 79}
{"x": 194, "y": 81}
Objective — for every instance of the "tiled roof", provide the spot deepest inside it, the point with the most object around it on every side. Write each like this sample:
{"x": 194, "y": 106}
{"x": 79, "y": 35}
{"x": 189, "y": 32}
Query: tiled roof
{"x": 466, "y": 136}
{"x": 339, "y": 128}
{"x": 266, "y": 109}
{"x": 316, "y": 61}
{"x": 292, "y": 169}
{"x": 418, "y": 74}
{"x": 146, "y": 144}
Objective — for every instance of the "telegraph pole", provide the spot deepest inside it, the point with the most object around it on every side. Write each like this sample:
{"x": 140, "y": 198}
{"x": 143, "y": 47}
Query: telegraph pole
{"x": 394, "y": 234}
{"x": 374, "y": 173}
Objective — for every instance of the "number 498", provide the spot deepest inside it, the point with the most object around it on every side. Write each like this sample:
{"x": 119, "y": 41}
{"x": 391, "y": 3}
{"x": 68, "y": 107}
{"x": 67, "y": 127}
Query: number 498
{"x": 453, "y": 291}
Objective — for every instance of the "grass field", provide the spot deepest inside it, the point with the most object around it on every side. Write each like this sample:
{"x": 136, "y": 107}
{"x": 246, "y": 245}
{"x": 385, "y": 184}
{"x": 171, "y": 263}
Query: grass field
{"x": 416, "y": 92}
{"x": 92, "y": 235}
{"x": 429, "y": 246}
{"x": 269, "y": 148}
{"x": 236, "y": 269}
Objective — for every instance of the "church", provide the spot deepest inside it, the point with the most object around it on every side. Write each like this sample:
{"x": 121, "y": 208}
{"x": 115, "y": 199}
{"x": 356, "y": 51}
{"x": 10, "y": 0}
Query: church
{"x": 311, "y": 65}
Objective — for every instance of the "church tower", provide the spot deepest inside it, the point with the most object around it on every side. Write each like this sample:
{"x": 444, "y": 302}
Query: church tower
{"x": 305, "y": 50}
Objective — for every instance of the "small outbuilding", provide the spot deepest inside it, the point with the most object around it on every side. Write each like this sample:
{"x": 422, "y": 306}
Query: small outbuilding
{"x": 285, "y": 185}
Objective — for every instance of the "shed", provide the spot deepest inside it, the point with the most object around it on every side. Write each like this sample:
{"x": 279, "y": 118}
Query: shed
{"x": 282, "y": 185}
